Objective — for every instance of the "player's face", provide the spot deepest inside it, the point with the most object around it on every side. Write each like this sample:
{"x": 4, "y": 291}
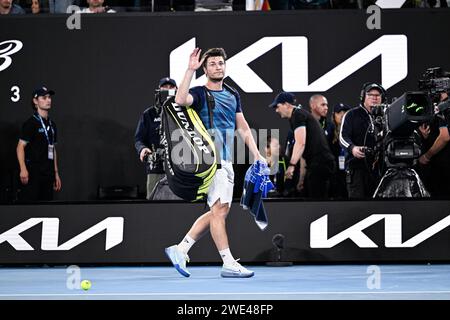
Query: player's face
{"x": 215, "y": 69}
{"x": 44, "y": 102}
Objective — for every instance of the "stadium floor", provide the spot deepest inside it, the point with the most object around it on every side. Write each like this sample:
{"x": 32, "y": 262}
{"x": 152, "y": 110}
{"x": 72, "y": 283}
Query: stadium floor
{"x": 317, "y": 282}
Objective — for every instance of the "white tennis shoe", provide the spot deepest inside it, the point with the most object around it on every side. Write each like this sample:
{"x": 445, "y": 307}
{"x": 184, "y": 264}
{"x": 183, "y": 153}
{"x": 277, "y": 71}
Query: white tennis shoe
{"x": 235, "y": 270}
{"x": 178, "y": 259}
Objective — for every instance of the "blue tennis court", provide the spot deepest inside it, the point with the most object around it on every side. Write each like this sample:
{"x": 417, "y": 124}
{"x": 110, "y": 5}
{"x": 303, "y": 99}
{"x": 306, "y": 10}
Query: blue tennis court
{"x": 318, "y": 282}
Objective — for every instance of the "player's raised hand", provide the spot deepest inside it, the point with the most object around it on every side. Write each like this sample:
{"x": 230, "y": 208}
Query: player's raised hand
{"x": 194, "y": 59}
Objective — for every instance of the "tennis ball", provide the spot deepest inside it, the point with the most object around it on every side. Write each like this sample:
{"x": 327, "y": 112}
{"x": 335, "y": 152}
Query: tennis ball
{"x": 85, "y": 284}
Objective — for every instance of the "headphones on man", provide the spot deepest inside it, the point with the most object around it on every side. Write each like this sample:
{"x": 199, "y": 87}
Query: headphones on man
{"x": 369, "y": 86}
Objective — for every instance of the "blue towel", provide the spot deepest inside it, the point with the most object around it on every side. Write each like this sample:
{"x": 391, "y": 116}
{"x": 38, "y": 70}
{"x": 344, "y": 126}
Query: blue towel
{"x": 256, "y": 186}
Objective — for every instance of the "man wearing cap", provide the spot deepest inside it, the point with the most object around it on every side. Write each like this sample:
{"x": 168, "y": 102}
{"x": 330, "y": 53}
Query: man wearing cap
{"x": 357, "y": 137}
{"x": 36, "y": 151}
{"x": 310, "y": 143}
{"x": 147, "y": 136}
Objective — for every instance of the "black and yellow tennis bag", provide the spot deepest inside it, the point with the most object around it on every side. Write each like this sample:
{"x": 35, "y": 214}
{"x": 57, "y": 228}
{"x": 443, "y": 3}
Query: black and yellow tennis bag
{"x": 190, "y": 159}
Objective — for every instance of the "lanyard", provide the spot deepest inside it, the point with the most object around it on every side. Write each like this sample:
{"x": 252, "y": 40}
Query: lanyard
{"x": 45, "y": 129}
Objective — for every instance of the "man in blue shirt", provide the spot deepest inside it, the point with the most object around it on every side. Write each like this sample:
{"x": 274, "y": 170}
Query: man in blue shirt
{"x": 226, "y": 117}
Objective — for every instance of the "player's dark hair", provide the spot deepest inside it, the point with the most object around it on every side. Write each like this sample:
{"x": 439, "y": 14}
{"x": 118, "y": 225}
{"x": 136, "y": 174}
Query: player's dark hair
{"x": 213, "y": 52}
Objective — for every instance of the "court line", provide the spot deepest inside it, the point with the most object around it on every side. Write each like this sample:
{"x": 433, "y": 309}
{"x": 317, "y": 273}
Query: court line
{"x": 219, "y": 293}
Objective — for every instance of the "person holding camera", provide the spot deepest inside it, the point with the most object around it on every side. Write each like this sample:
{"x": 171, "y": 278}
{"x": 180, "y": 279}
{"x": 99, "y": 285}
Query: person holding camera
{"x": 438, "y": 154}
{"x": 147, "y": 137}
{"x": 358, "y": 138}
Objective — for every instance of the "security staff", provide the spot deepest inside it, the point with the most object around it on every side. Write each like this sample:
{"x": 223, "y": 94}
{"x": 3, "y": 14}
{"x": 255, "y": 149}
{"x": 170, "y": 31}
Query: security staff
{"x": 36, "y": 151}
{"x": 310, "y": 143}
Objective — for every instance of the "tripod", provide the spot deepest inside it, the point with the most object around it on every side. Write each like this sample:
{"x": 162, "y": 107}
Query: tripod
{"x": 401, "y": 182}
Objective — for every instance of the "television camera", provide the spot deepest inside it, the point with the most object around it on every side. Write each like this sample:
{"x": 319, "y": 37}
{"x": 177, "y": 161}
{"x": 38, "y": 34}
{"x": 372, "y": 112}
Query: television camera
{"x": 435, "y": 81}
{"x": 398, "y": 144}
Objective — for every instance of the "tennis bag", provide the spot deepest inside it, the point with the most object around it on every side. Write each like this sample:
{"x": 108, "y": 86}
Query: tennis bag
{"x": 190, "y": 159}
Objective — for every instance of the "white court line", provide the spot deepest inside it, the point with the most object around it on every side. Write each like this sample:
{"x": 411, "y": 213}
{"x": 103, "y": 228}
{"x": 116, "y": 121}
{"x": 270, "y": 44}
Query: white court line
{"x": 217, "y": 293}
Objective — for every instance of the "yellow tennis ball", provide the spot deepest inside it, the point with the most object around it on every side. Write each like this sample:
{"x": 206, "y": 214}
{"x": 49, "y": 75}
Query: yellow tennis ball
{"x": 85, "y": 284}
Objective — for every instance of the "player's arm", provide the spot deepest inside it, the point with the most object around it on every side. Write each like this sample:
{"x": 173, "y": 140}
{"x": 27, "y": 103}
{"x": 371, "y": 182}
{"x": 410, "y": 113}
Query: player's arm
{"x": 183, "y": 97}
{"x": 246, "y": 134}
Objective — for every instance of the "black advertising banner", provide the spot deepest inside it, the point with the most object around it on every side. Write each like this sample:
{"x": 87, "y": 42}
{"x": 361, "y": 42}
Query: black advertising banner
{"x": 313, "y": 232}
{"x": 105, "y": 72}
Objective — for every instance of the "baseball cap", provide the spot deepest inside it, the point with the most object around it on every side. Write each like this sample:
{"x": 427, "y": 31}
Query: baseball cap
{"x": 372, "y": 86}
{"x": 341, "y": 107}
{"x": 283, "y": 97}
{"x": 167, "y": 80}
{"x": 42, "y": 91}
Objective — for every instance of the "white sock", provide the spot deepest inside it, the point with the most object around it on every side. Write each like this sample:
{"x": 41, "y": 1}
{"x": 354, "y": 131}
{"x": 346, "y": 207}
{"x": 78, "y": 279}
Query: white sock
{"x": 186, "y": 244}
{"x": 226, "y": 256}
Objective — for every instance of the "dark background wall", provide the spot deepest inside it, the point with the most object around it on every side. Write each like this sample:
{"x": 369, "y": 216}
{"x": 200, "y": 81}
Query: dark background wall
{"x": 104, "y": 75}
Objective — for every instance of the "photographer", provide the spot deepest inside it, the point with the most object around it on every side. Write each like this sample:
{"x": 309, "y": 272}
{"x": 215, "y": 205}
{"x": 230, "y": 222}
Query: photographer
{"x": 438, "y": 155}
{"x": 147, "y": 136}
{"x": 357, "y": 137}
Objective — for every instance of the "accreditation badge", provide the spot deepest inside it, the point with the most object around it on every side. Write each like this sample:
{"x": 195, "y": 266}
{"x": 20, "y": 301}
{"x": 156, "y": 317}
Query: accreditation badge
{"x": 51, "y": 149}
{"x": 341, "y": 163}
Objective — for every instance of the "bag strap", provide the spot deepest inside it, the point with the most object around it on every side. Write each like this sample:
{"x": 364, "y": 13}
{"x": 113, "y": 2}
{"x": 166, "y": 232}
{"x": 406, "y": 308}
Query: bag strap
{"x": 211, "y": 105}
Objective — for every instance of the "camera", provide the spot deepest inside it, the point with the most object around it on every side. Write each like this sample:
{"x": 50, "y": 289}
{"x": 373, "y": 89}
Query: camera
{"x": 395, "y": 127}
{"x": 162, "y": 95}
{"x": 155, "y": 159}
{"x": 398, "y": 143}
{"x": 368, "y": 152}
{"x": 397, "y": 139}
{"x": 434, "y": 81}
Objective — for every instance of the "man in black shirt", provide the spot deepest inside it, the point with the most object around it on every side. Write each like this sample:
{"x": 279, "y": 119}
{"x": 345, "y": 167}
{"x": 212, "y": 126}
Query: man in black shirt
{"x": 437, "y": 155}
{"x": 36, "y": 151}
{"x": 310, "y": 143}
